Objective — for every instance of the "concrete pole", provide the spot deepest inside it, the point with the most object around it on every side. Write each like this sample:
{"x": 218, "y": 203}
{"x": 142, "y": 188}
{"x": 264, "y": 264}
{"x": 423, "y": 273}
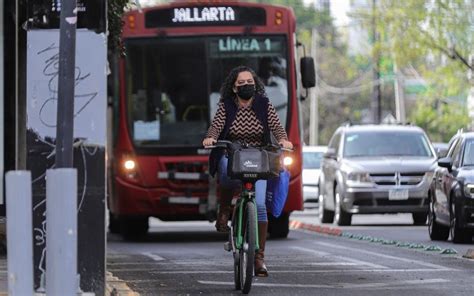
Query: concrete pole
{"x": 376, "y": 95}
{"x": 61, "y": 227}
{"x": 470, "y": 97}
{"x": 19, "y": 233}
{"x": 66, "y": 83}
{"x": 399, "y": 95}
{"x": 313, "y": 97}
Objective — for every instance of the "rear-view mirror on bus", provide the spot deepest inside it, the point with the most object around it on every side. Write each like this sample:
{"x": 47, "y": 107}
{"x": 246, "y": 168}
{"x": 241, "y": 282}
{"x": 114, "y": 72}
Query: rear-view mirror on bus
{"x": 308, "y": 73}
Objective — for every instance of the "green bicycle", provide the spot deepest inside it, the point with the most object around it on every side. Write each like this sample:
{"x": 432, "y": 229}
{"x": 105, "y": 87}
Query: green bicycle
{"x": 248, "y": 164}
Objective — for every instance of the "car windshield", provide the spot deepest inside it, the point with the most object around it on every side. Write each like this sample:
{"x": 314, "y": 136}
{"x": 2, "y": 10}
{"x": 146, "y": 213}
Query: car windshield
{"x": 469, "y": 153}
{"x": 386, "y": 143}
{"x": 312, "y": 160}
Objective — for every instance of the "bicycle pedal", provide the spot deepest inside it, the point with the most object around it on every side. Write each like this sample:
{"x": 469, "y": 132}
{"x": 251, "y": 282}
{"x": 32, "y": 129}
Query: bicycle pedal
{"x": 227, "y": 246}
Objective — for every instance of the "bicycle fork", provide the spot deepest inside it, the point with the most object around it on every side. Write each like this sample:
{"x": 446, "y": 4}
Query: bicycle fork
{"x": 236, "y": 242}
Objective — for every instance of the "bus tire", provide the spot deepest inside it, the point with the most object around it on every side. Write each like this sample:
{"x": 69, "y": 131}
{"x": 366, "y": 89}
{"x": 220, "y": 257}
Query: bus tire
{"x": 133, "y": 228}
{"x": 114, "y": 224}
{"x": 279, "y": 227}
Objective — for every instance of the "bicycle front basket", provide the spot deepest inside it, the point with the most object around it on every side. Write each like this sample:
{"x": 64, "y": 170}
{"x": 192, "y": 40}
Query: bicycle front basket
{"x": 251, "y": 163}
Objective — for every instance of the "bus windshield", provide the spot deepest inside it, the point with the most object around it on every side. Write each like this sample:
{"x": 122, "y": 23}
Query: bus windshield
{"x": 173, "y": 83}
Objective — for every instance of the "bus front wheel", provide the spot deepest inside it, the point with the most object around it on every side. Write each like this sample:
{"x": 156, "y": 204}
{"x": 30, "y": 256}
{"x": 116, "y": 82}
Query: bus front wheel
{"x": 133, "y": 228}
{"x": 279, "y": 227}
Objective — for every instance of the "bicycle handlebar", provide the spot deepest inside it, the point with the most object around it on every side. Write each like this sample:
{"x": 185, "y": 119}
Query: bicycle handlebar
{"x": 226, "y": 144}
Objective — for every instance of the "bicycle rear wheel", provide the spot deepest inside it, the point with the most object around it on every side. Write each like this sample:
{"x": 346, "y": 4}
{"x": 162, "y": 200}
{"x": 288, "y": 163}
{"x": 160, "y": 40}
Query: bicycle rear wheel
{"x": 247, "y": 253}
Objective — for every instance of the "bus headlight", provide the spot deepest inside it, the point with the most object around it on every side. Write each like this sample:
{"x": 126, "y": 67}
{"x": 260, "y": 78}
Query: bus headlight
{"x": 287, "y": 161}
{"x": 129, "y": 165}
{"x": 129, "y": 168}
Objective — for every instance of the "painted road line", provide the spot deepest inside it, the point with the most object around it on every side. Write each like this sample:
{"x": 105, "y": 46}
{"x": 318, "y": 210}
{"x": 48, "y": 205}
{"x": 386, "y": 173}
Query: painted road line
{"x": 384, "y": 256}
{"x": 336, "y": 286}
{"x": 153, "y": 256}
{"x": 344, "y": 259}
{"x": 326, "y": 271}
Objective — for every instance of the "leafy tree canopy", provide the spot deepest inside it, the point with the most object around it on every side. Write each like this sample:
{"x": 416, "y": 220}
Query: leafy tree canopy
{"x": 435, "y": 37}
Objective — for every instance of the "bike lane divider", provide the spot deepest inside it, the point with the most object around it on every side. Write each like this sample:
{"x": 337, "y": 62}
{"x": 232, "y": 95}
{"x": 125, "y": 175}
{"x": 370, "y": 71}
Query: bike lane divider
{"x": 336, "y": 231}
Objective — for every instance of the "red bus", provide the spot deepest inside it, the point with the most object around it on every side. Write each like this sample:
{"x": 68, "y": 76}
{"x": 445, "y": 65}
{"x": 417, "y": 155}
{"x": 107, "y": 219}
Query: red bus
{"x": 167, "y": 90}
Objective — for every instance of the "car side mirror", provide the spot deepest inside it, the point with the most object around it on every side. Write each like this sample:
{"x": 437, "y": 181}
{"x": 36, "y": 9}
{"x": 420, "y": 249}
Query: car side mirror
{"x": 446, "y": 162}
{"x": 331, "y": 153}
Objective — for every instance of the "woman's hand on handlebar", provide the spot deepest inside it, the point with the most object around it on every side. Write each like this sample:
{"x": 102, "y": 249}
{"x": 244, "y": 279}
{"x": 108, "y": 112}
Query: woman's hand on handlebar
{"x": 286, "y": 144}
{"x": 208, "y": 142}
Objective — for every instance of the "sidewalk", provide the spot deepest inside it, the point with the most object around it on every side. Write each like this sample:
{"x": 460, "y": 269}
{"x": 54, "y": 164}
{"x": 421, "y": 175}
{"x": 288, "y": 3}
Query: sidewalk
{"x": 114, "y": 286}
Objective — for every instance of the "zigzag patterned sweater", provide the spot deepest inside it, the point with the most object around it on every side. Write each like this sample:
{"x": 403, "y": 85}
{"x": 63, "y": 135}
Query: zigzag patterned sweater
{"x": 246, "y": 127}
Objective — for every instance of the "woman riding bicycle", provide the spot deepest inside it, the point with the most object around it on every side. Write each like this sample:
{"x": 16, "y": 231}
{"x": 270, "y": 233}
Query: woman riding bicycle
{"x": 244, "y": 114}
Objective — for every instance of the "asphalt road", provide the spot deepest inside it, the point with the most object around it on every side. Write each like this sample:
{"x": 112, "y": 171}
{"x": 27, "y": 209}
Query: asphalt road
{"x": 187, "y": 258}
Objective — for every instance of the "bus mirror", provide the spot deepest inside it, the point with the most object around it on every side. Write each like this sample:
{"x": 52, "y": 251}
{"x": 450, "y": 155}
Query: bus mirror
{"x": 308, "y": 73}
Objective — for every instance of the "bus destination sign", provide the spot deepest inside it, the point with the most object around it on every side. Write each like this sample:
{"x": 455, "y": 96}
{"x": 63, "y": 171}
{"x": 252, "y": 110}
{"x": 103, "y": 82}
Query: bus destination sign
{"x": 233, "y": 46}
{"x": 206, "y": 16}
{"x": 203, "y": 14}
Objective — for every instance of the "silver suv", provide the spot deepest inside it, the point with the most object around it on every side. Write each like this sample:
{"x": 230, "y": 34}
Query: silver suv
{"x": 376, "y": 169}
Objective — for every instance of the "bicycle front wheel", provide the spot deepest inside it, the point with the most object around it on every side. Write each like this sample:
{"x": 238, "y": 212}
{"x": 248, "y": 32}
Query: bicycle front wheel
{"x": 247, "y": 253}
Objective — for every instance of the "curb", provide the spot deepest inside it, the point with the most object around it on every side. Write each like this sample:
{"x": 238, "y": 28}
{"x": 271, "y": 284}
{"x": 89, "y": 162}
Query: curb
{"x": 294, "y": 224}
{"x": 117, "y": 287}
{"x": 336, "y": 231}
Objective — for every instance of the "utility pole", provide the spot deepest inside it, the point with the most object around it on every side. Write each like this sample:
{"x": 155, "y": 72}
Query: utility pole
{"x": 376, "y": 105}
{"x": 313, "y": 111}
{"x": 66, "y": 83}
{"x": 61, "y": 182}
{"x": 399, "y": 94}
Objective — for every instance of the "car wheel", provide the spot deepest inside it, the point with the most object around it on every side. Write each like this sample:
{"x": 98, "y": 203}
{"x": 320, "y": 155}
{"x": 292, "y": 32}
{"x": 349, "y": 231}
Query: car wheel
{"x": 341, "y": 217}
{"x": 436, "y": 231}
{"x": 458, "y": 234}
{"x": 325, "y": 216}
{"x": 419, "y": 218}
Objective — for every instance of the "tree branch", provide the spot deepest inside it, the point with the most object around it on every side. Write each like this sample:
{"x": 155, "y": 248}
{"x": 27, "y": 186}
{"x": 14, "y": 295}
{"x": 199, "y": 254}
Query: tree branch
{"x": 451, "y": 53}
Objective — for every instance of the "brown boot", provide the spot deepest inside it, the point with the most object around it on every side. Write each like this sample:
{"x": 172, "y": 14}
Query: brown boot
{"x": 260, "y": 268}
{"x": 223, "y": 219}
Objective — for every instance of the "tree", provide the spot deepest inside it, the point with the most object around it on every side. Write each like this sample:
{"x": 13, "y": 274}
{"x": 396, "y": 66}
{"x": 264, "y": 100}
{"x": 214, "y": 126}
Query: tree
{"x": 115, "y": 11}
{"x": 440, "y": 119}
{"x": 435, "y": 38}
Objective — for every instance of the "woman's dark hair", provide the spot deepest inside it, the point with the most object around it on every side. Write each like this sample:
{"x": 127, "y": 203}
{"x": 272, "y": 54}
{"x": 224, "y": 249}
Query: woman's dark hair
{"x": 228, "y": 85}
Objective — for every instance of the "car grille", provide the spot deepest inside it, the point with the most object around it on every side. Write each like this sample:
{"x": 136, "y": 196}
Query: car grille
{"x": 400, "y": 179}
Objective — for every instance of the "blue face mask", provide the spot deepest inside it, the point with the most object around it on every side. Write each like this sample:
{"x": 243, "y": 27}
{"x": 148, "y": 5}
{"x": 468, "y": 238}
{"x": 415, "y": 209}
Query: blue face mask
{"x": 246, "y": 91}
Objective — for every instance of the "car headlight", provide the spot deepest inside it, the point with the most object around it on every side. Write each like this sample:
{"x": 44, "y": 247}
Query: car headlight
{"x": 469, "y": 190}
{"x": 356, "y": 179}
{"x": 359, "y": 177}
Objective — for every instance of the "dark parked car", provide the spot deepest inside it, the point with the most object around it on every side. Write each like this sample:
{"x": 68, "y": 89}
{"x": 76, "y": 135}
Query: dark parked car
{"x": 372, "y": 169}
{"x": 452, "y": 192}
